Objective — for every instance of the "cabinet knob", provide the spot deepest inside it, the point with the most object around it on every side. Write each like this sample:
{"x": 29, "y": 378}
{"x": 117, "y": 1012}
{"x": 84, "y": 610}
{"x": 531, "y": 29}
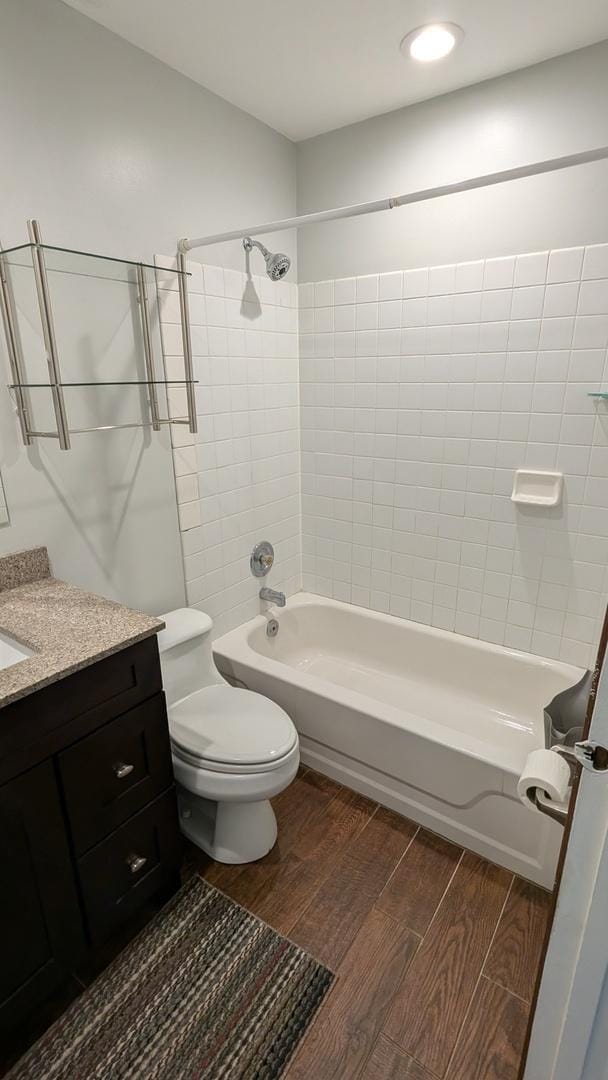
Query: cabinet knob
{"x": 121, "y": 769}
{"x": 136, "y": 863}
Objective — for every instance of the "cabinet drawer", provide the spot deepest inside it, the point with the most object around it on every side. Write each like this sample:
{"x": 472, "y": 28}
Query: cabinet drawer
{"x": 115, "y": 771}
{"x": 42, "y": 723}
{"x": 118, "y": 875}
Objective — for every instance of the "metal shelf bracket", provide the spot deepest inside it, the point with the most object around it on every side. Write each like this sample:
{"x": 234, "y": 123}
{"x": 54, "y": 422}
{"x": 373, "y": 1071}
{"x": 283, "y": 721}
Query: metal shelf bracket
{"x": 48, "y": 331}
{"x": 19, "y": 385}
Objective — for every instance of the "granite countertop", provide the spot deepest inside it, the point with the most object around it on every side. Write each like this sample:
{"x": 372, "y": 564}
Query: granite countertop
{"x": 66, "y": 627}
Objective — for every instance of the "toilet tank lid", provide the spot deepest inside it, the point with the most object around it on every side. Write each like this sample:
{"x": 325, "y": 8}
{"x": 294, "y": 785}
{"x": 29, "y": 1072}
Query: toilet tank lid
{"x": 181, "y": 625}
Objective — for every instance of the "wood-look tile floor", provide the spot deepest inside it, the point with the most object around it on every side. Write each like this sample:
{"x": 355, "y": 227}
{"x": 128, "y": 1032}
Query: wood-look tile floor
{"x": 435, "y": 949}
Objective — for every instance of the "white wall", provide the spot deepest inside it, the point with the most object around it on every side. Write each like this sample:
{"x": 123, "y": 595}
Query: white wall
{"x": 554, "y": 108}
{"x": 114, "y": 152}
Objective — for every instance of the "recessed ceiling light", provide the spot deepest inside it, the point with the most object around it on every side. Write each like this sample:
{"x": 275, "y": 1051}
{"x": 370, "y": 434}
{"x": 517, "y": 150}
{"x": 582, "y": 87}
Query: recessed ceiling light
{"x": 431, "y": 42}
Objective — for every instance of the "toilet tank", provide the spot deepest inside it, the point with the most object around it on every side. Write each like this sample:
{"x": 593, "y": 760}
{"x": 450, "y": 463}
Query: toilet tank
{"x": 186, "y": 656}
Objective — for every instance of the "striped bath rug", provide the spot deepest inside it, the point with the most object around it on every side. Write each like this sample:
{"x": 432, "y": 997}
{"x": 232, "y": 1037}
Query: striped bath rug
{"x": 206, "y": 990}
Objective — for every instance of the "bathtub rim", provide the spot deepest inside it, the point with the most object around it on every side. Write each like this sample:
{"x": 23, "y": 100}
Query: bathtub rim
{"x": 234, "y": 647}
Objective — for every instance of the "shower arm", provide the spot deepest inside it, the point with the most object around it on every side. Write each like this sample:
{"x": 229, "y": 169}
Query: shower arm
{"x": 249, "y": 244}
{"x": 536, "y": 168}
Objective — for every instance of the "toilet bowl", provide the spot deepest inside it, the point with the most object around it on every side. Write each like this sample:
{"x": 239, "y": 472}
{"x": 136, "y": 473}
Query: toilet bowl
{"x": 232, "y": 749}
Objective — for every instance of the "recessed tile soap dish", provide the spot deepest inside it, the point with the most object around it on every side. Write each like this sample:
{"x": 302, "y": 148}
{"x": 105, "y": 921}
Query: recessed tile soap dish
{"x": 536, "y": 488}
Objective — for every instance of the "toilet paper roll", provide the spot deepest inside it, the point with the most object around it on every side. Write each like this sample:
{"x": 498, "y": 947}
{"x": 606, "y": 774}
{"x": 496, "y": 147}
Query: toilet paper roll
{"x": 548, "y": 771}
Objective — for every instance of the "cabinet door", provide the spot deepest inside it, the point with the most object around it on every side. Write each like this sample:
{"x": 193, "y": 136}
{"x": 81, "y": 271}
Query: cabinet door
{"x": 41, "y": 934}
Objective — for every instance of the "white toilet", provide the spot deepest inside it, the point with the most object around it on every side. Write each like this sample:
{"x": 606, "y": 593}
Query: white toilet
{"x": 232, "y": 749}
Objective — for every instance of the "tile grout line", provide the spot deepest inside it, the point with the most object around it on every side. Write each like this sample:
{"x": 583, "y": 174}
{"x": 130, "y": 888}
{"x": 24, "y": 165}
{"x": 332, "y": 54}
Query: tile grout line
{"x": 422, "y": 938}
{"x": 479, "y": 977}
{"x": 389, "y": 1004}
{"x": 398, "y": 926}
{"x": 444, "y": 893}
{"x": 398, "y": 863}
{"x": 489, "y": 979}
{"x": 342, "y": 854}
{"x": 336, "y": 983}
{"x": 502, "y": 911}
{"x": 382, "y": 1035}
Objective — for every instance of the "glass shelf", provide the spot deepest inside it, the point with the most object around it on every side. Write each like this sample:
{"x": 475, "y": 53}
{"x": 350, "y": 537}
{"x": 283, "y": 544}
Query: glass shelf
{"x": 84, "y": 263}
{"x": 90, "y": 324}
{"x": 118, "y": 382}
{"x": 601, "y": 394}
{"x": 164, "y": 421}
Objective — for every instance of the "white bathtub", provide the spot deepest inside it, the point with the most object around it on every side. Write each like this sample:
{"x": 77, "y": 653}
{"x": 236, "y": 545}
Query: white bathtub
{"x": 432, "y": 724}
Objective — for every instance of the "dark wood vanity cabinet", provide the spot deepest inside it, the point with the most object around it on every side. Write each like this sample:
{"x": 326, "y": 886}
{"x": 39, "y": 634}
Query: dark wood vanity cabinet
{"x": 88, "y": 818}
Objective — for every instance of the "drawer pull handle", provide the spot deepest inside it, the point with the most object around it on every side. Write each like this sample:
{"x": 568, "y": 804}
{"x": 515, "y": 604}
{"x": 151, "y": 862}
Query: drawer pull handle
{"x": 136, "y": 863}
{"x": 121, "y": 770}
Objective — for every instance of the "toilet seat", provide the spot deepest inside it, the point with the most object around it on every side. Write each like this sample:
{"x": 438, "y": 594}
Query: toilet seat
{"x": 226, "y": 729}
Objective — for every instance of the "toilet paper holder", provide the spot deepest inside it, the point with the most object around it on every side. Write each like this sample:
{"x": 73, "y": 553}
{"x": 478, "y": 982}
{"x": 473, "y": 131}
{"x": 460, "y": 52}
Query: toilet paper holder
{"x": 544, "y": 804}
{"x": 587, "y": 755}
{"x": 540, "y": 797}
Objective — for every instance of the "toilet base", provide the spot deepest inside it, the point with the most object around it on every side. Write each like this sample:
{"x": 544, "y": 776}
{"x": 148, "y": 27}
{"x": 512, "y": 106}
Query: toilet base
{"x": 229, "y": 832}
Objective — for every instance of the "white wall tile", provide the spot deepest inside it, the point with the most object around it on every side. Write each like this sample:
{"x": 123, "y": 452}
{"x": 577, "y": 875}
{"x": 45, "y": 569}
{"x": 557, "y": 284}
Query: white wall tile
{"x": 367, "y": 289}
{"x": 524, "y": 334}
{"x": 414, "y": 443}
{"x": 323, "y": 293}
{"x": 593, "y": 297}
{"x": 469, "y": 276}
{"x": 531, "y": 269}
{"x": 565, "y": 264}
{"x": 528, "y": 302}
{"x": 240, "y": 481}
{"x": 561, "y": 299}
{"x": 416, "y": 282}
{"x": 595, "y": 264}
{"x": 389, "y": 313}
{"x": 306, "y": 293}
{"x": 412, "y": 414}
{"x": 390, "y": 286}
{"x": 499, "y": 273}
{"x": 556, "y": 333}
{"x": 213, "y": 278}
{"x": 442, "y": 279}
{"x": 344, "y": 291}
{"x": 591, "y": 332}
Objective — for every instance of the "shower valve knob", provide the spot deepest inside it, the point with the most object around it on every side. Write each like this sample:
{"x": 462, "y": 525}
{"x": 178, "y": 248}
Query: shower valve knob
{"x": 262, "y": 558}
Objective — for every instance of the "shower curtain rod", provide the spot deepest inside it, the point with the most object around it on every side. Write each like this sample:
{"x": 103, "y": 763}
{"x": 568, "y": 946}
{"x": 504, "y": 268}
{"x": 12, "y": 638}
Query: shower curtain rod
{"x": 522, "y": 171}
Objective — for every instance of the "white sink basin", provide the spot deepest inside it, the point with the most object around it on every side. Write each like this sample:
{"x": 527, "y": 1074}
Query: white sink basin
{"x": 11, "y": 651}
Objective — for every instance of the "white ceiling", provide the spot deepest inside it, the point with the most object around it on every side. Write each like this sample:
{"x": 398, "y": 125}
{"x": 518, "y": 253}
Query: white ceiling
{"x": 308, "y": 66}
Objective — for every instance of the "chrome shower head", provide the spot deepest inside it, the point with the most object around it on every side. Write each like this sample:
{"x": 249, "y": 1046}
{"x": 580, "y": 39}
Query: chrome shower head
{"x": 276, "y": 265}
